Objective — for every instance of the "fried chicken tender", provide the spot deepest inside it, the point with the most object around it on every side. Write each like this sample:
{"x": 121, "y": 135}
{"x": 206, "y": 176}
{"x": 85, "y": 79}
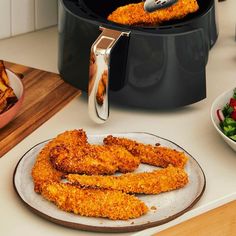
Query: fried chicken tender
{"x": 111, "y": 204}
{"x": 148, "y": 154}
{"x": 154, "y": 182}
{"x": 43, "y": 171}
{"x": 134, "y": 14}
{"x": 93, "y": 159}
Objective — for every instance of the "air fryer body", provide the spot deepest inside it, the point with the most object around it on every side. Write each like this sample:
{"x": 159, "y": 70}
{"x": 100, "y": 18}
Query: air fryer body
{"x": 159, "y": 68}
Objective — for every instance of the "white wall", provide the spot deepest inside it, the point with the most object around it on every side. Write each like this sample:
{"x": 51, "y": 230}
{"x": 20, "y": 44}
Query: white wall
{"x": 22, "y": 16}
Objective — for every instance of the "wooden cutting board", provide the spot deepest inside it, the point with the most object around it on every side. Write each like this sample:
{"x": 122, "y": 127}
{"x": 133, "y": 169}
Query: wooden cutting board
{"x": 45, "y": 94}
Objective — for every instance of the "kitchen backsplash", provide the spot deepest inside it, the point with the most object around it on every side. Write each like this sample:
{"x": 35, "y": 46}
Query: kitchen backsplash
{"x": 22, "y": 16}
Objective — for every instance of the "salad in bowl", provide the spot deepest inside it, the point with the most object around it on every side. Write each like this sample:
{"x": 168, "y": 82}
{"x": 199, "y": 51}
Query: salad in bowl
{"x": 227, "y": 117}
{"x": 223, "y": 116}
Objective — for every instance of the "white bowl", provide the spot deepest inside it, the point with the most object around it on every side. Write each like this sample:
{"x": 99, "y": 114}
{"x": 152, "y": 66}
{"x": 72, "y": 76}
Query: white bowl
{"x": 18, "y": 88}
{"x": 219, "y": 103}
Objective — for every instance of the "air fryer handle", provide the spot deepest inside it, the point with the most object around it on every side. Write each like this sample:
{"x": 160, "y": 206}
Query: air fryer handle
{"x": 99, "y": 71}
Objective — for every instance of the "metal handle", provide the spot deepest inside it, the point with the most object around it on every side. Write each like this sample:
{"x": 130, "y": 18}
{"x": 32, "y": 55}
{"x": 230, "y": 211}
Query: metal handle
{"x": 153, "y": 5}
{"x": 98, "y": 103}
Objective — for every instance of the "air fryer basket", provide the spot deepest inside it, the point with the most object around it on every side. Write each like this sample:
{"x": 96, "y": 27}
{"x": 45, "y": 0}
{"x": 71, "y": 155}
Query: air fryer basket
{"x": 154, "y": 67}
{"x": 100, "y": 9}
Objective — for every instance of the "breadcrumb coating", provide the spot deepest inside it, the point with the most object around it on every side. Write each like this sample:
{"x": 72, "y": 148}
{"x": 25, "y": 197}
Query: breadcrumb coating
{"x": 110, "y": 204}
{"x": 155, "y": 182}
{"x": 104, "y": 196}
{"x": 43, "y": 171}
{"x": 134, "y": 14}
{"x": 93, "y": 159}
{"x": 148, "y": 154}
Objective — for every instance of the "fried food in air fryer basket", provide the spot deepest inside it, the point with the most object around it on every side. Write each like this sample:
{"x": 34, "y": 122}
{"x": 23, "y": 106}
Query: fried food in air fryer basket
{"x": 134, "y": 14}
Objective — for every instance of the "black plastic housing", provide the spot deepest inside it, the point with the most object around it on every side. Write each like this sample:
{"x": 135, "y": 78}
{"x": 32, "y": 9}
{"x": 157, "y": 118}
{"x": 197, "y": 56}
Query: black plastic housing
{"x": 157, "y": 67}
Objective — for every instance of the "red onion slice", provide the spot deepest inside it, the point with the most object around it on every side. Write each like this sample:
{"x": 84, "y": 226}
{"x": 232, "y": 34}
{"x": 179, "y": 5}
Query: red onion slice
{"x": 220, "y": 115}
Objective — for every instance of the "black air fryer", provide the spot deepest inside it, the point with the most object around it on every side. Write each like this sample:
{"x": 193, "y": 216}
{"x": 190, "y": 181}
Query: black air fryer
{"x": 159, "y": 67}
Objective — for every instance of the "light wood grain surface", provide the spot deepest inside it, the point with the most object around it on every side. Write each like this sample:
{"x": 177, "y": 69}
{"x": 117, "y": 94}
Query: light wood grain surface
{"x": 218, "y": 222}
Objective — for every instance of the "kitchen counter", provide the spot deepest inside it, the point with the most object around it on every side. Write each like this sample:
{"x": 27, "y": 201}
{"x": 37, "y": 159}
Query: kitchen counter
{"x": 190, "y": 127}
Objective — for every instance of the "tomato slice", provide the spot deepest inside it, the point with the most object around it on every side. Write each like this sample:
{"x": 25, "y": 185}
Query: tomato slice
{"x": 220, "y": 115}
{"x": 232, "y": 103}
{"x": 233, "y": 115}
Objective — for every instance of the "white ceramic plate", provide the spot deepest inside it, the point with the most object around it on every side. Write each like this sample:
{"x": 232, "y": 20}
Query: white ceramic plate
{"x": 169, "y": 205}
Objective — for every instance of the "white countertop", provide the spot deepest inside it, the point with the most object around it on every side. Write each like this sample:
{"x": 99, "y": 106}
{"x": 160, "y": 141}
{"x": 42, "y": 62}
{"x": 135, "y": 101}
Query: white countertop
{"x": 190, "y": 127}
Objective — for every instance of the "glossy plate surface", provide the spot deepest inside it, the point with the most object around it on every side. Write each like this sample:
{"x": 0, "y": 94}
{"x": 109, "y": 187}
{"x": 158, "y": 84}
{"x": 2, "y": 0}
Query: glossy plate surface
{"x": 166, "y": 206}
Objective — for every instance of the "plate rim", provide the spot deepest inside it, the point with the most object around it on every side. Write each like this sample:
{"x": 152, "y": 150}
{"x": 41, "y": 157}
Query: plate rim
{"x": 108, "y": 229}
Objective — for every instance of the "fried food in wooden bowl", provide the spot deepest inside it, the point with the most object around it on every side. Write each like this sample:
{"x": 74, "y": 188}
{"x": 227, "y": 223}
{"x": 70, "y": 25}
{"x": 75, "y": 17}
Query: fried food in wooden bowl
{"x": 11, "y": 95}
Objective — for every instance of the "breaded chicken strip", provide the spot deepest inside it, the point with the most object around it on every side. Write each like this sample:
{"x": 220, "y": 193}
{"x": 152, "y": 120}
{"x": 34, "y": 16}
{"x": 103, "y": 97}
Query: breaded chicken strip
{"x": 134, "y": 14}
{"x": 93, "y": 159}
{"x": 111, "y": 204}
{"x": 148, "y": 154}
{"x": 43, "y": 171}
{"x": 155, "y": 182}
